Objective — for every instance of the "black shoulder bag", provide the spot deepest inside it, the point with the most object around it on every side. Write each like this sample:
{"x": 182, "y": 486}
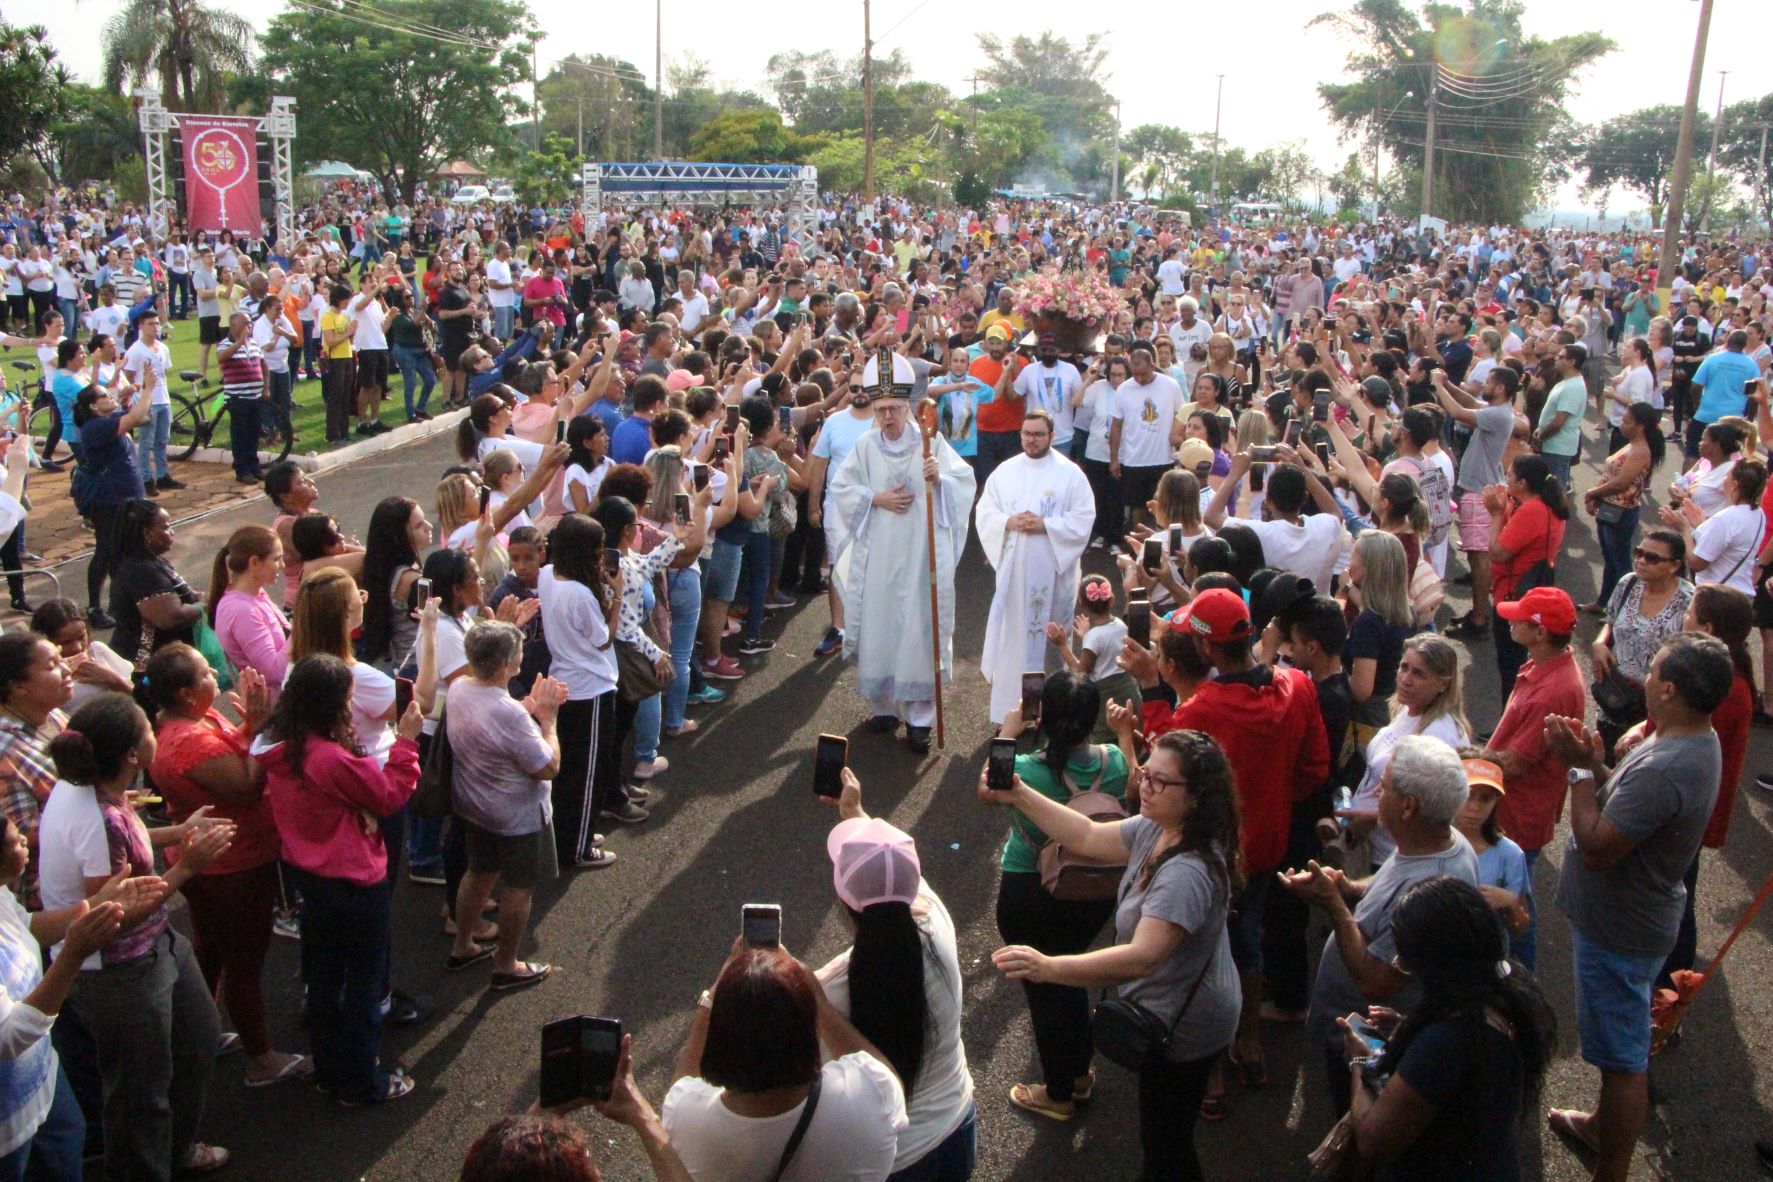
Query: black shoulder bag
{"x": 1131, "y": 1035}
{"x": 800, "y": 1128}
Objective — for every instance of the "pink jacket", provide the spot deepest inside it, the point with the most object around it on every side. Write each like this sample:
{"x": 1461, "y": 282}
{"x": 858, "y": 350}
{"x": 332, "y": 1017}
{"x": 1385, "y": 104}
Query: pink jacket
{"x": 320, "y": 810}
{"x": 254, "y": 635}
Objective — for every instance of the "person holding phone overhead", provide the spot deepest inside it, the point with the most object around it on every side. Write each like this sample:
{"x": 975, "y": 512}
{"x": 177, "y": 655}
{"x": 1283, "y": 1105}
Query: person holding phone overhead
{"x": 1034, "y": 518}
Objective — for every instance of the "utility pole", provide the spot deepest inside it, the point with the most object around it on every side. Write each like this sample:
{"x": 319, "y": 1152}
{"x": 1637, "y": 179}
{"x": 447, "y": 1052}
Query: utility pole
{"x": 1683, "y": 170}
{"x": 868, "y": 107}
{"x": 658, "y": 79}
{"x": 974, "y": 80}
{"x": 1114, "y": 193}
{"x": 1218, "y": 107}
{"x": 1434, "y": 94}
{"x": 581, "y": 127}
{"x": 1711, "y": 157}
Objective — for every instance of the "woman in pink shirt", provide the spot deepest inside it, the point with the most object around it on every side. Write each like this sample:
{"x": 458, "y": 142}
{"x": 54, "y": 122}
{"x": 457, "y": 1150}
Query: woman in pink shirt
{"x": 328, "y": 799}
{"x": 251, "y": 628}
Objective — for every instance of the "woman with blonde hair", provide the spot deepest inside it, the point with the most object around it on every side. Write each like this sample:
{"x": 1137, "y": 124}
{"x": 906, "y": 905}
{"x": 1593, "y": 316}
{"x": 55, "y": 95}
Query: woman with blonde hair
{"x": 1379, "y": 591}
{"x": 328, "y": 609}
{"x": 1222, "y": 363}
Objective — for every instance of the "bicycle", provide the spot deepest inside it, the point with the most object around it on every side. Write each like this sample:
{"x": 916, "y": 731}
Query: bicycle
{"x": 196, "y": 415}
{"x": 44, "y": 412}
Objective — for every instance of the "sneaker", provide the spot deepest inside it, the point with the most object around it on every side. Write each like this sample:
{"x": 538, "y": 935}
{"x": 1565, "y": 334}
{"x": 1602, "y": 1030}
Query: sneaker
{"x": 832, "y": 642}
{"x": 379, "y": 428}
{"x": 636, "y": 792}
{"x": 1764, "y": 781}
{"x": 626, "y": 812}
{"x": 287, "y": 926}
{"x": 426, "y": 875}
{"x": 400, "y": 1008}
{"x": 651, "y": 768}
{"x": 151, "y": 489}
{"x": 708, "y": 695}
{"x": 918, "y": 739}
{"x": 167, "y": 482}
{"x": 365, "y": 430}
{"x": 752, "y": 645}
{"x": 596, "y": 859}
{"x": 778, "y": 599}
{"x": 1097, "y": 543}
{"x": 98, "y": 617}
{"x": 723, "y": 669}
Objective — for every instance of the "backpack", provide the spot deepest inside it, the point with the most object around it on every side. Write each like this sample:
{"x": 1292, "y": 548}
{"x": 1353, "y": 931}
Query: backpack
{"x": 1441, "y": 508}
{"x": 1069, "y": 876}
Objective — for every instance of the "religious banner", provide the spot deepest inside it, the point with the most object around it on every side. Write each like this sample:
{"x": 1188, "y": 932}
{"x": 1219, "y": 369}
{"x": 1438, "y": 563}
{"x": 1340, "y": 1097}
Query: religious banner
{"x": 221, "y": 174}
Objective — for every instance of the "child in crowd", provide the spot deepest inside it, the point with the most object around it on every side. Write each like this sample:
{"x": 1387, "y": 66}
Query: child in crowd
{"x": 1100, "y": 636}
{"x": 525, "y": 551}
{"x": 1502, "y": 866}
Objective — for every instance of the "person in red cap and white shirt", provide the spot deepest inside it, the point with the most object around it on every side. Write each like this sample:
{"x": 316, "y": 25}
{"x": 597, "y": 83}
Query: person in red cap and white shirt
{"x": 1540, "y": 621}
{"x": 1267, "y": 722}
{"x": 900, "y": 923}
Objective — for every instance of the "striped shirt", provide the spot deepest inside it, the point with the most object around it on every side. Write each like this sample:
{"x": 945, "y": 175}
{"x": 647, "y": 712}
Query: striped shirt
{"x": 243, "y": 371}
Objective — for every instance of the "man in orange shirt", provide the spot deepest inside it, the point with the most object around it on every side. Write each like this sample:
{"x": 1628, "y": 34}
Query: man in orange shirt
{"x": 999, "y": 416}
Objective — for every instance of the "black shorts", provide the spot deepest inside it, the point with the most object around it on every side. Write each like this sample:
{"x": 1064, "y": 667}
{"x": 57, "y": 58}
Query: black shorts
{"x": 452, "y": 353}
{"x": 1763, "y": 601}
{"x": 209, "y": 330}
{"x": 372, "y": 369}
{"x": 520, "y": 862}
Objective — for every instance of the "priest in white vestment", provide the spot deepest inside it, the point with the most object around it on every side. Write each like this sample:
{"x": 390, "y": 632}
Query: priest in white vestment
{"x": 1034, "y": 520}
{"x": 878, "y": 494}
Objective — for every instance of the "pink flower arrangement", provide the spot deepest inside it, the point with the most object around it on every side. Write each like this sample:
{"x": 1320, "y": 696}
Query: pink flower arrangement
{"x": 1077, "y": 295}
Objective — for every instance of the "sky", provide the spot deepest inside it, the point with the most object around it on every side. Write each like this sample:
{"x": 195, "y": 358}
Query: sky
{"x": 1271, "y": 60}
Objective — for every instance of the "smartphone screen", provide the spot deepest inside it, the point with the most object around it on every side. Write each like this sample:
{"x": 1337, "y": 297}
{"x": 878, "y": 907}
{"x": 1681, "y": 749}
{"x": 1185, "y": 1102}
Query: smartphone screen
{"x": 421, "y": 592}
{"x": 761, "y": 924}
{"x": 1320, "y": 406}
{"x": 1258, "y": 477}
{"x": 1323, "y": 455}
{"x": 1151, "y": 554}
{"x": 485, "y": 499}
{"x": 1139, "y": 620}
{"x": 732, "y": 419}
{"x": 612, "y": 563}
{"x": 722, "y": 449}
{"x": 830, "y": 757}
{"x": 1000, "y": 765}
{"x": 1175, "y": 539}
{"x": 785, "y": 417}
{"x": 1033, "y": 686}
{"x": 1292, "y": 435}
{"x": 560, "y": 1062}
{"x": 402, "y": 696}
{"x": 559, "y": 430}
{"x": 682, "y": 503}
{"x": 600, "y": 1051}
{"x": 701, "y": 476}
{"x": 579, "y": 1059}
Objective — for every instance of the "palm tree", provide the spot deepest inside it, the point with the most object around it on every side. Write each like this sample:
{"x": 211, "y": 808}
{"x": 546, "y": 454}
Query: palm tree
{"x": 184, "y": 46}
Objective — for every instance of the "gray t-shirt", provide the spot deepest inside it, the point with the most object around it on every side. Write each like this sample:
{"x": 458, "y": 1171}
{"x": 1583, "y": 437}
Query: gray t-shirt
{"x": 496, "y": 745}
{"x": 1335, "y": 994}
{"x": 1182, "y": 892}
{"x": 1662, "y": 795}
{"x": 204, "y": 278}
{"x": 1482, "y": 463}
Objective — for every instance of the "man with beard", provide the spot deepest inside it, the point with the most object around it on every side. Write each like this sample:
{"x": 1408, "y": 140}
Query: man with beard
{"x": 877, "y": 506}
{"x": 837, "y": 437}
{"x": 1034, "y": 519}
{"x": 1050, "y": 385}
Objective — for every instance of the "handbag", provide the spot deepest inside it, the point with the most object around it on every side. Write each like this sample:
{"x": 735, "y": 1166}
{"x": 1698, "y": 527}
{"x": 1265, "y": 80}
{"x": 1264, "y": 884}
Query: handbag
{"x": 1129, "y": 1034}
{"x": 205, "y": 641}
{"x": 434, "y": 798}
{"x": 1336, "y": 1159}
{"x": 637, "y": 678}
{"x": 1069, "y": 876}
{"x": 1607, "y": 513}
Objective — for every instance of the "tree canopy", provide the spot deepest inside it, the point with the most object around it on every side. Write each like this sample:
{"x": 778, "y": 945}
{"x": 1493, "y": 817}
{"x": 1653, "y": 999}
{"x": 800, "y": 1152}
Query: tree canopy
{"x": 186, "y": 48}
{"x": 1636, "y": 151}
{"x": 33, "y": 90}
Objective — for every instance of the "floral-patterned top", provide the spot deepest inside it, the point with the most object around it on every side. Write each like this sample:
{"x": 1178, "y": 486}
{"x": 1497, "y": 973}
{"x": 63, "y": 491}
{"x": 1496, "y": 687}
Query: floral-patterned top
{"x": 1636, "y": 639}
{"x": 638, "y": 596}
{"x": 1631, "y": 495}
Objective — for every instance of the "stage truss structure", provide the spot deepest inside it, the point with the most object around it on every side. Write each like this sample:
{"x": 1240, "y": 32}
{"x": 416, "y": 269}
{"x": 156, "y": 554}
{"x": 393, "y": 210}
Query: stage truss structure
{"x": 682, "y": 182}
{"x": 277, "y": 126}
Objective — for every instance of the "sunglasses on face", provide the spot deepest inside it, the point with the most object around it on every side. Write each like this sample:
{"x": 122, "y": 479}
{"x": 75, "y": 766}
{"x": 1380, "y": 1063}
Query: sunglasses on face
{"x": 1644, "y": 555}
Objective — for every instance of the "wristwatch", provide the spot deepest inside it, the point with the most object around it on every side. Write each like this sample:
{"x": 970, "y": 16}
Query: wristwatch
{"x": 1579, "y": 775}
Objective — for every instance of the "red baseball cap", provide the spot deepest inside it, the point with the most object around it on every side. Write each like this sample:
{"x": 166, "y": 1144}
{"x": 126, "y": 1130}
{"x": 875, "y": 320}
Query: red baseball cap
{"x": 1548, "y": 607}
{"x": 1218, "y": 615}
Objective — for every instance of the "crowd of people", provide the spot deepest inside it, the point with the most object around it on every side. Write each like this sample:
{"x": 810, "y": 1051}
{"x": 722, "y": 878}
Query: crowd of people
{"x": 1220, "y": 519}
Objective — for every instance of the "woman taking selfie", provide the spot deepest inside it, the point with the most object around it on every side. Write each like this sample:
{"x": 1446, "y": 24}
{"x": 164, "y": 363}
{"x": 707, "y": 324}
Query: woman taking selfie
{"x": 1616, "y": 500}
{"x": 1172, "y": 955}
{"x": 1444, "y": 1095}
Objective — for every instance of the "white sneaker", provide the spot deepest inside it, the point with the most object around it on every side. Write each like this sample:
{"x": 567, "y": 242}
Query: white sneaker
{"x": 646, "y": 771}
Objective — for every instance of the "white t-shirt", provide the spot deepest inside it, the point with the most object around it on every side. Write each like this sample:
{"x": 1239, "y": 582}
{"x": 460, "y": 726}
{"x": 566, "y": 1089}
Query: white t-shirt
{"x": 1092, "y": 418}
{"x": 1309, "y": 549}
{"x": 142, "y": 357}
{"x": 944, "y": 1087}
{"x": 372, "y": 696}
{"x": 366, "y": 321}
{"x": 1051, "y": 390}
{"x": 1366, "y": 797}
{"x": 695, "y": 311}
{"x": 1728, "y": 541}
{"x": 499, "y": 271}
{"x": 1145, "y": 413}
{"x": 107, "y": 319}
{"x": 1637, "y": 386}
{"x": 77, "y": 849}
{"x": 589, "y": 481}
{"x": 578, "y": 637}
{"x": 273, "y": 346}
{"x": 852, "y": 1136}
{"x": 1106, "y": 641}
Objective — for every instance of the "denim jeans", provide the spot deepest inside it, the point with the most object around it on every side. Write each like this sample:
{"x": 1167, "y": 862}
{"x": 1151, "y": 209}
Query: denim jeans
{"x": 54, "y": 1150}
{"x": 1560, "y": 467}
{"x": 282, "y": 386}
{"x": 754, "y": 579}
{"x": 647, "y": 713}
{"x": 684, "y": 591}
{"x": 502, "y": 321}
{"x": 415, "y": 364}
{"x": 951, "y": 1161}
{"x": 310, "y": 348}
{"x": 70, "y": 310}
{"x": 150, "y": 444}
{"x": 1616, "y": 543}
{"x": 344, "y": 947}
{"x": 181, "y": 294}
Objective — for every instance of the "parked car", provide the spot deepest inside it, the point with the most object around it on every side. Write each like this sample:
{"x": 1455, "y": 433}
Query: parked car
{"x": 470, "y": 195}
{"x": 503, "y": 195}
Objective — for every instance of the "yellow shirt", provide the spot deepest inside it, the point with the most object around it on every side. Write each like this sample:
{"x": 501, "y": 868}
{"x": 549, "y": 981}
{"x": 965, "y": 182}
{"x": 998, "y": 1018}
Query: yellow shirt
{"x": 337, "y": 322}
{"x": 1013, "y": 321}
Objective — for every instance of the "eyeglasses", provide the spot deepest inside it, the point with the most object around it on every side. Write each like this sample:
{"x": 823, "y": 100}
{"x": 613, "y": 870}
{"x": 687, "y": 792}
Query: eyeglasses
{"x": 1161, "y": 783}
{"x": 1644, "y": 555}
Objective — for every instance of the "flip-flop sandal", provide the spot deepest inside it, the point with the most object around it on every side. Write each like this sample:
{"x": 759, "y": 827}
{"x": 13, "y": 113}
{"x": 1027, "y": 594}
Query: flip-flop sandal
{"x": 1022, "y": 1096}
{"x": 1563, "y": 1123}
{"x": 399, "y": 1084}
{"x": 1214, "y": 1109}
{"x": 298, "y": 1067}
{"x": 227, "y": 1044}
{"x": 204, "y": 1159}
{"x": 1082, "y": 1095}
{"x": 1252, "y": 1073}
{"x": 527, "y": 975}
{"x": 456, "y": 964}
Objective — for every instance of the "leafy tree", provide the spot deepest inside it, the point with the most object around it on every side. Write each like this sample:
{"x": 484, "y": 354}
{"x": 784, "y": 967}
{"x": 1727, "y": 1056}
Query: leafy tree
{"x": 185, "y": 47}
{"x": 1158, "y": 159}
{"x": 692, "y": 101}
{"x": 395, "y": 103}
{"x": 1636, "y": 151}
{"x": 546, "y": 178}
{"x": 821, "y": 92}
{"x": 93, "y": 139}
{"x": 1739, "y": 148}
{"x": 33, "y": 89}
{"x": 1290, "y": 169}
{"x": 1351, "y": 184}
{"x": 970, "y": 191}
{"x": 749, "y": 137}
{"x": 1061, "y": 84}
{"x": 1013, "y": 143}
{"x": 911, "y": 163}
{"x": 608, "y": 97}
{"x": 1491, "y": 151}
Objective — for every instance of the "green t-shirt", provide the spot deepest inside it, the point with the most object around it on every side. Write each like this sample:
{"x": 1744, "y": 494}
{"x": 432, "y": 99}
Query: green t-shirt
{"x": 1088, "y": 771}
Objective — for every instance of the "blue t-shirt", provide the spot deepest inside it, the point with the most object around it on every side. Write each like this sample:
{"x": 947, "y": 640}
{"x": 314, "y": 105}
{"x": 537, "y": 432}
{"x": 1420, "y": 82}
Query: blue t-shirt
{"x": 64, "y": 389}
{"x": 1723, "y": 375}
{"x": 1504, "y": 865}
{"x": 109, "y": 456}
{"x": 630, "y": 441}
{"x": 837, "y": 438}
{"x": 609, "y": 412}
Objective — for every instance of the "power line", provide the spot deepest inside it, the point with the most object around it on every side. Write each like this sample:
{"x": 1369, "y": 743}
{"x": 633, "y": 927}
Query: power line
{"x": 895, "y": 25}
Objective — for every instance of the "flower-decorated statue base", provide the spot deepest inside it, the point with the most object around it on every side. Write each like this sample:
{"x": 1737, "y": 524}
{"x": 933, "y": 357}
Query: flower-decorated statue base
{"x": 1074, "y": 336}
{"x": 1073, "y": 305}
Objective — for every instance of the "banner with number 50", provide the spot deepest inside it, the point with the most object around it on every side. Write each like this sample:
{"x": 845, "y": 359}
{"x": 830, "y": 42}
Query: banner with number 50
{"x": 221, "y": 174}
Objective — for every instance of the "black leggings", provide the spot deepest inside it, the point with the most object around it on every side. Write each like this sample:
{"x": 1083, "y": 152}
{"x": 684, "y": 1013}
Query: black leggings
{"x": 590, "y": 750}
{"x": 1169, "y": 1101}
{"x": 1060, "y": 1014}
{"x": 104, "y": 553}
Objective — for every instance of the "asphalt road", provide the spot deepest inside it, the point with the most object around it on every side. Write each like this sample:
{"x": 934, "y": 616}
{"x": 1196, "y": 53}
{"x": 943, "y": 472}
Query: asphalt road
{"x": 734, "y": 821}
